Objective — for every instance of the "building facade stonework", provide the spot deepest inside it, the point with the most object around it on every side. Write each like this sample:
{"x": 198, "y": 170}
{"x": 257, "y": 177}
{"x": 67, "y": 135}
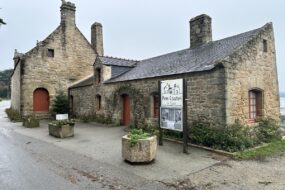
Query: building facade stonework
{"x": 231, "y": 79}
{"x": 227, "y": 80}
{"x": 63, "y": 58}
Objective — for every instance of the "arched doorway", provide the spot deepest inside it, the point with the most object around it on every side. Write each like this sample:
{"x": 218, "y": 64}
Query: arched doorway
{"x": 41, "y": 100}
{"x": 126, "y": 114}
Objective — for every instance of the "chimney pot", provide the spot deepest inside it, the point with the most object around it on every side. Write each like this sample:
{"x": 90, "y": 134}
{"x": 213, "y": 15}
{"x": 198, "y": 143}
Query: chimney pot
{"x": 97, "y": 38}
{"x": 67, "y": 10}
{"x": 200, "y": 30}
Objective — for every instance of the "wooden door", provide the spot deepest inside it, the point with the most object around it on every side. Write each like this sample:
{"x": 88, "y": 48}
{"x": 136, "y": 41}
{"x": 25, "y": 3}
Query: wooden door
{"x": 126, "y": 110}
{"x": 41, "y": 100}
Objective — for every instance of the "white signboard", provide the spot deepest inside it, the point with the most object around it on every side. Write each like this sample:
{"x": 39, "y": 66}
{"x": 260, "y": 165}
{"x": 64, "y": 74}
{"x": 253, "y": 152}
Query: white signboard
{"x": 172, "y": 93}
{"x": 61, "y": 116}
{"x": 171, "y": 111}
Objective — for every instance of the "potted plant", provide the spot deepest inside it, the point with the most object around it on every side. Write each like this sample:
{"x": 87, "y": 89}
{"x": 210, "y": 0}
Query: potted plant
{"x": 60, "y": 106}
{"x": 61, "y": 128}
{"x": 31, "y": 121}
{"x": 139, "y": 146}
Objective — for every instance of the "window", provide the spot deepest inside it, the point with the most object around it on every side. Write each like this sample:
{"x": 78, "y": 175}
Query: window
{"x": 98, "y": 76}
{"x": 98, "y": 102}
{"x": 255, "y": 104}
{"x": 264, "y": 45}
{"x": 155, "y": 106}
{"x": 50, "y": 53}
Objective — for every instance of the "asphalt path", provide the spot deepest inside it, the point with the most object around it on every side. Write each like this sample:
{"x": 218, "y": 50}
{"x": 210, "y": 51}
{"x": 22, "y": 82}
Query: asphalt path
{"x": 31, "y": 164}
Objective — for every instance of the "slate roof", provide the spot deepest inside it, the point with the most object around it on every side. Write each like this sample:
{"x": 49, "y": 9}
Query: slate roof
{"x": 83, "y": 82}
{"x": 105, "y": 60}
{"x": 118, "y": 70}
{"x": 189, "y": 60}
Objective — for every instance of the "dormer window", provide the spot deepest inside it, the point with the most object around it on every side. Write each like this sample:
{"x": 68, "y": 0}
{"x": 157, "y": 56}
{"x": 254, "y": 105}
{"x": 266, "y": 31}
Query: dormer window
{"x": 98, "y": 76}
{"x": 264, "y": 45}
{"x": 50, "y": 52}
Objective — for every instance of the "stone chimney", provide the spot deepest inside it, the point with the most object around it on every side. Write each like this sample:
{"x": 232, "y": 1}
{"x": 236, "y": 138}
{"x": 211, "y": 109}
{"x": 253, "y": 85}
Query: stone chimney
{"x": 67, "y": 10}
{"x": 200, "y": 30}
{"x": 97, "y": 38}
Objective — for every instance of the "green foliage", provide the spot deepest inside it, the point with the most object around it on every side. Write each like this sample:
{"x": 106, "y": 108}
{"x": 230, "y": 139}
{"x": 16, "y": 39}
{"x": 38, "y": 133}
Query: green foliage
{"x": 225, "y": 137}
{"x": 5, "y": 77}
{"x": 13, "y": 115}
{"x": 60, "y": 123}
{"x": 235, "y": 137}
{"x": 60, "y": 104}
{"x": 274, "y": 148}
{"x": 31, "y": 121}
{"x": 96, "y": 118}
{"x": 2, "y": 21}
{"x": 173, "y": 134}
{"x": 137, "y": 134}
{"x": 267, "y": 130}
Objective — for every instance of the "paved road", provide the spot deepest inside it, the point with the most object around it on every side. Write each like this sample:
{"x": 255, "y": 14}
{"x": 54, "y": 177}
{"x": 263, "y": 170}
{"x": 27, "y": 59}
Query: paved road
{"x": 27, "y": 163}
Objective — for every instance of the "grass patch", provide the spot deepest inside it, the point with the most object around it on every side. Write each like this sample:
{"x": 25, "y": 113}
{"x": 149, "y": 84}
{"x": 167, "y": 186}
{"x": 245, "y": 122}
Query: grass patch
{"x": 270, "y": 149}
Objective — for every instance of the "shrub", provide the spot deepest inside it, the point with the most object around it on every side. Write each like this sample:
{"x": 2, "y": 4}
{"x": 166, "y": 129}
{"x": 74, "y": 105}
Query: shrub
{"x": 225, "y": 137}
{"x": 60, "y": 104}
{"x": 267, "y": 130}
{"x": 13, "y": 115}
{"x": 96, "y": 118}
{"x": 137, "y": 134}
{"x": 31, "y": 121}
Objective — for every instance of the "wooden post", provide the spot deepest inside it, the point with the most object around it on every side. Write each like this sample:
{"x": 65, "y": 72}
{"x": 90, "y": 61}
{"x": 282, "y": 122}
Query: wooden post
{"x": 160, "y": 141}
{"x": 185, "y": 127}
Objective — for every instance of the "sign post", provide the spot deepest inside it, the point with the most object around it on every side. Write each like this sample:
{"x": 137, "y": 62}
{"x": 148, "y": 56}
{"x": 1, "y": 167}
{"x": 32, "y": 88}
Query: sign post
{"x": 172, "y": 110}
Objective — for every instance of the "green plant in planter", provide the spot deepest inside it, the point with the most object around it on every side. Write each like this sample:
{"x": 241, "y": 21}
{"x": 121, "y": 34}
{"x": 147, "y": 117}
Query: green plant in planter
{"x": 137, "y": 134}
{"x": 60, "y": 104}
{"x": 60, "y": 123}
{"x": 31, "y": 121}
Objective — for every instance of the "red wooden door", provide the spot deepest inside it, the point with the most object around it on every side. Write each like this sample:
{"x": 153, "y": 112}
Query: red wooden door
{"x": 41, "y": 100}
{"x": 126, "y": 110}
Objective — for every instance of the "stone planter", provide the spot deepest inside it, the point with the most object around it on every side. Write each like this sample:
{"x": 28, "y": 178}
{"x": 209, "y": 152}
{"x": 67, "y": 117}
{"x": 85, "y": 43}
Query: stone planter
{"x": 61, "y": 129}
{"x": 31, "y": 122}
{"x": 143, "y": 151}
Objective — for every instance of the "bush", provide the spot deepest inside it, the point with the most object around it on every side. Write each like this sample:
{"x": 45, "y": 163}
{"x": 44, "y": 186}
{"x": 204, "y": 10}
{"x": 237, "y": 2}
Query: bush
{"x": 13, "y": 115}
{"x": 230, "y": 138}
{"x": 235, "y": 137}
{"x": 96, "y": 118}
{"x": 60, "y": 104}
{"x": 31, "y": 121}
{"x": 267, "y": 130}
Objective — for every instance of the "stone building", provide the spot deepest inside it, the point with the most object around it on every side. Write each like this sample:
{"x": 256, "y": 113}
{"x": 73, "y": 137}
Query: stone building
{"x": 229, "y": 79}
{"x": 64, "y": 57}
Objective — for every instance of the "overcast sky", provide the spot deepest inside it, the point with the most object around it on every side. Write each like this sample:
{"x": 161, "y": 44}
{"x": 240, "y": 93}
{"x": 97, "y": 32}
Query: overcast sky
{"x": 139, "y": 29}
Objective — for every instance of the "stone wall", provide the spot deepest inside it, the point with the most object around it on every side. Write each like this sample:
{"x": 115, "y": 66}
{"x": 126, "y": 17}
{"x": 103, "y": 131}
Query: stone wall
{"x": 82, "y": 101}
{"x": 72, "y": 61}
{"x": 16, "y": 88}
{"x": 250, "y": 67}
{"x": 205, "y": 94}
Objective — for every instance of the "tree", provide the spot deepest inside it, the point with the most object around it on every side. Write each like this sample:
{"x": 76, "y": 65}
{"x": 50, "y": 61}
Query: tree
{"x": 60, "y": 104}
{"x": 2, "y": 21}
